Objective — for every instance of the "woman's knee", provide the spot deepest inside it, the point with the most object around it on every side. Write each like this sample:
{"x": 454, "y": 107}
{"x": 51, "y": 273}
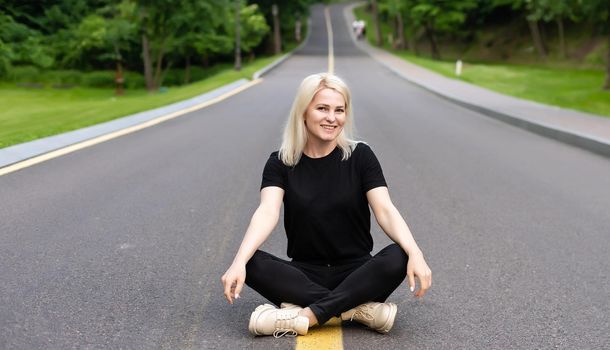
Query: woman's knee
{"x": 258, "y": 263}
{"x": 394, "y": 261}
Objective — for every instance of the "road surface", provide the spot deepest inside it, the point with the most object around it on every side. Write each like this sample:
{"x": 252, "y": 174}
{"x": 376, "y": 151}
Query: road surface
{"x": 122, "y": 245}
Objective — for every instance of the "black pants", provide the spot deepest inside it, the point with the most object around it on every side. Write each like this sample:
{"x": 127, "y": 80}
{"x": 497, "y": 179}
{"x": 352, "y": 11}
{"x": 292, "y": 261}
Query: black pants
{"x": 327, "y": 289}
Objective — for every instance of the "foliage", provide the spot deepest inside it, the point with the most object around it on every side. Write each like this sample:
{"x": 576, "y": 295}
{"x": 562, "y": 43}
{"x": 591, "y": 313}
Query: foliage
{"x": 36, "y": 113}
{"x": 253, "y": 27}
{"x": 20, "y": 44}
{"x": 103, "y": 34}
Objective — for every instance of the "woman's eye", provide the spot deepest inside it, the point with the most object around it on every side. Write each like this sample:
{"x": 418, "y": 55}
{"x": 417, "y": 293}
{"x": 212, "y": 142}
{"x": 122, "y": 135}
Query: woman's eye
{"x": 322, "y": 108}
{"x": 340, "y": 111}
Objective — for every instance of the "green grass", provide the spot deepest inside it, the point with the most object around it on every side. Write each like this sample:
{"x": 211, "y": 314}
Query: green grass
{"x": 573, "y": 88}
{"x": 578, "y": 89}
{"x": 28, "y": 114}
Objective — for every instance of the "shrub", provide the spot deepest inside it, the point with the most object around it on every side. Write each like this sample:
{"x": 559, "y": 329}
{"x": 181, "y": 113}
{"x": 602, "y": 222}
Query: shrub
{"x": 24, "y": 74}
{"x": 134, "y": 80}
{"x": 597, "y": 56}
{"x": 173, "y": 77}
{"x": 100, "y": 78}
{"x": 105, "y": 79}
{"x": 61, "y": 77}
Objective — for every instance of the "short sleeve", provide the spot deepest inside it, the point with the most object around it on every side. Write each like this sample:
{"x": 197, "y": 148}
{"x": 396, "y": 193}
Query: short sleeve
{"x": 274, "y": 172}
{"x": 370, "y": 169}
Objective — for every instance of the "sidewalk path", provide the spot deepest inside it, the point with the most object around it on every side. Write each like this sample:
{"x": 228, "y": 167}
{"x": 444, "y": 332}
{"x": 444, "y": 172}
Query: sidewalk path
{"x": 580, "y": 129}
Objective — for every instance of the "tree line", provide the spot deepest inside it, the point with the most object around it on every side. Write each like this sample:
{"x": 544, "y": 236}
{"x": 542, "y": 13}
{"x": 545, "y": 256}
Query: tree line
{"x": 149, "y": 36}
{"x": 459, "y": 19}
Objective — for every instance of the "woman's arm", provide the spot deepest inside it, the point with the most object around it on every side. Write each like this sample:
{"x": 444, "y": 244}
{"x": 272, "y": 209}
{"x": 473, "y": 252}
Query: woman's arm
{"x": 263, "y": 221}
{"x": 396, "y": 228}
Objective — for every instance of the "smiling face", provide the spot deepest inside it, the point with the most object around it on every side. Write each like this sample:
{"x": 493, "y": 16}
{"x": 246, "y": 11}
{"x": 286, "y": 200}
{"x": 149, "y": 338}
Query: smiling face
{"x": 325, "y": 116}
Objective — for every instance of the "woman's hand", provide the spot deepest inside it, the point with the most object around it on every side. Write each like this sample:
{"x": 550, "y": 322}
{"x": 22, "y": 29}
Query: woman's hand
{"x": 417, "y": 267}
{"x": 233, "y": 281}
{"x": 263, "y": 221}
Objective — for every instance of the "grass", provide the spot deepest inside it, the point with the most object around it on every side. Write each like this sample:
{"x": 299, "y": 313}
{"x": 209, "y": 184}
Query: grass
{"x": 578, "y": 89}
{"x": 28, "y": 114}
{"x": 573, "y": 88}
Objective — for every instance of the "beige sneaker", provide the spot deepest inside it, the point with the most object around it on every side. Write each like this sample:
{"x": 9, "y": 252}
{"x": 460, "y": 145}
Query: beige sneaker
{"x": 269, "y": 320}
{"x": 378, "y": 316}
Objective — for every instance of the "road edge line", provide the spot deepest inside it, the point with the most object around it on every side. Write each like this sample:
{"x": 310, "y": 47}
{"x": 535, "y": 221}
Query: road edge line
{"x": 331, "y": 51}
{"x": 112, "y": 135}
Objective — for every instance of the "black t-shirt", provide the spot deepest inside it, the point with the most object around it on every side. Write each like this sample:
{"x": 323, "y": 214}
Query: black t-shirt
{"x": 326, "y": 213}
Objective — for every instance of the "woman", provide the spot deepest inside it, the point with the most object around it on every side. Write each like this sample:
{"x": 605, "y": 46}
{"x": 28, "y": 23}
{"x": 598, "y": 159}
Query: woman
{"x": 327, "y": 181}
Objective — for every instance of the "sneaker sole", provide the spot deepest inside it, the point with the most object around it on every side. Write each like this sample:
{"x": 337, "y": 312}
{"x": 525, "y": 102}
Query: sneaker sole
{"x": 390, "y": 322}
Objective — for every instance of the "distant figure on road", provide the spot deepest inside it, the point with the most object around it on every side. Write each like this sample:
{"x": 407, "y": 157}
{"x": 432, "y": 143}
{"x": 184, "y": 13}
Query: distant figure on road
{"x": 359, "y": 28}
{"x": 327, "y": 181}
{"x": 362, "y": 29}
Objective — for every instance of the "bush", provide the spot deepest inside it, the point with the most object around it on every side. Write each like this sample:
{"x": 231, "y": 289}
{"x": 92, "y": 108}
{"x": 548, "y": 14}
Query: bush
{"x": 173, "y": 77}
{"x": 61, "y": 77}
{"x": 24, "y": 74}
{"x": 597, "y": 56}
{"x": 101, "y": 78}
{"x": 105, "y": 79}
{"x": 69, "y": 78}
{"x": 134, "y": 80}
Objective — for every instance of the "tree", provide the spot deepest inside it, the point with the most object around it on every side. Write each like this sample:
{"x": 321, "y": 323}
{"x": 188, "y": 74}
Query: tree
{"x": 599, "y": 12}
{"x": 559, "y": 11}
{"x": 438, "y": 16}
{"x": 237, "y": 35}
{"x": 105, "y": 33}
{"x": 534, "y": 11}
{"x": 253, "y": 28}
{"x": 22, "y": 45}
{"x": 394, "y": 9}
{"x": 159, "y": 20}
{"x": 289, "y": 13}
{"x": 375, "y": 15}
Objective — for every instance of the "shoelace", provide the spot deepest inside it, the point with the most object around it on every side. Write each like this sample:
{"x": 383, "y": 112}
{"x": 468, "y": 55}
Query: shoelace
{"x": 284, "y": 332}
{"x": 364, "y": 312}
{"x": 285, "y": 324}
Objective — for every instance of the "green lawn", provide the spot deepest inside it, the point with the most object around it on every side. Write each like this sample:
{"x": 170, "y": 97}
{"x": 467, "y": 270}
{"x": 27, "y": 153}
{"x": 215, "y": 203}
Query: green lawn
{"x": 578, "y": 89}
{"x": 28, "y": 114}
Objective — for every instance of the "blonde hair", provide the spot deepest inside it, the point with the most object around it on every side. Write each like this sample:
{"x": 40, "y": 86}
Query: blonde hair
{"x": 295, "y": 132}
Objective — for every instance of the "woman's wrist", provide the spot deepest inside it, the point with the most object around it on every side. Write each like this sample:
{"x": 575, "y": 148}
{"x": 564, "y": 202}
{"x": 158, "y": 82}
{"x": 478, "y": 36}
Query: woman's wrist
{"x": 239, "y": 262}
{"x": 414, "y": 252}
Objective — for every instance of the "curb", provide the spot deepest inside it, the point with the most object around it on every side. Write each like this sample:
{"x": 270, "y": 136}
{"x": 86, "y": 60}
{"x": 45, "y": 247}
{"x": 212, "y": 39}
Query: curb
{"x": 587, "y": 142}
{"x": 23, "y": 151}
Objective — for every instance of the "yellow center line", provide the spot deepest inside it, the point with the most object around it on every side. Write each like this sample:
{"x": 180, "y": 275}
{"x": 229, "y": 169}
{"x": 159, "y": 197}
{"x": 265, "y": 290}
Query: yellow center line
{"x": 118, "y": 133}
{"x": 331, "y": 53}
{"x": 327, "y": 337}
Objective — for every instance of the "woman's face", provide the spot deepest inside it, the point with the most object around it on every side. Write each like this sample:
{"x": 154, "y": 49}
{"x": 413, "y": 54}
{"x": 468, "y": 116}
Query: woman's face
{"x": 325, "y": 115}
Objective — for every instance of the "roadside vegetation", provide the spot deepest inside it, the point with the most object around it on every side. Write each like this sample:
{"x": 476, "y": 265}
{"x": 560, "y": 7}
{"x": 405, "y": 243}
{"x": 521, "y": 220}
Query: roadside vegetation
{"x": 28, "y": 113}
{"x": 66, "y": 64}
{"x": 550, "y": 51}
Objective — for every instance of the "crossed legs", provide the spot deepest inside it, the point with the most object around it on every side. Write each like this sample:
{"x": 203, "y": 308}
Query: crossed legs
{"x": 327, "y": 290}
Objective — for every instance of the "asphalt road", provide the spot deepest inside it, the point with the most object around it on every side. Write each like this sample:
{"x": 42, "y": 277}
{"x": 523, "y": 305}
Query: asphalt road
{"x": 122, "y": 245}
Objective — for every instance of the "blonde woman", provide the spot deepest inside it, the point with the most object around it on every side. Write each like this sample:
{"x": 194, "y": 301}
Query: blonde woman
{"x": 327, "y": 181}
